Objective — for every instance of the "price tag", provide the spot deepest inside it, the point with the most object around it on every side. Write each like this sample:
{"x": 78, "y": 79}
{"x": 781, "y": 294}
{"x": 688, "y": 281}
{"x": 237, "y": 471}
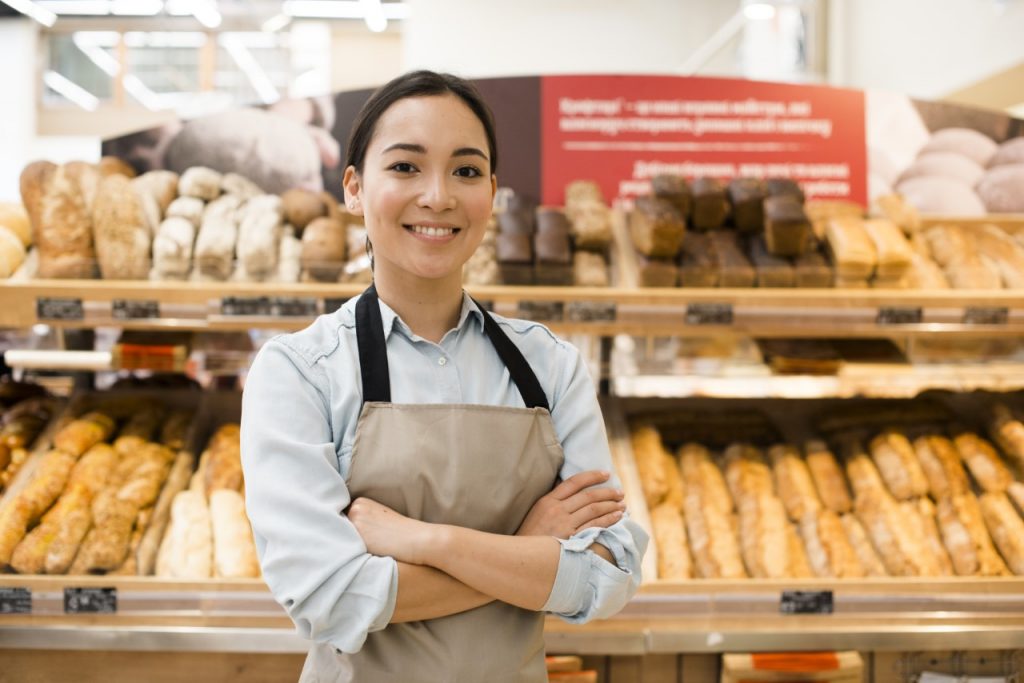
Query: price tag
{"x": 542, "y": 311}
{"x": 90, "y": 600}
{"x": 709, "y": 314}
{"x": 135, "y": 309}
{"x": 294, "y": 307}
{"x": 806, "y": 602}
{"x": 245, "y": 305}
{"x": 590, "y": 312}
{"x": 899, "y": 316}
{"x": 15, "y": 601}
{"x": 331, "y": 304}
{"x": 986, "y": 315}
{"x": 59, "y": 309}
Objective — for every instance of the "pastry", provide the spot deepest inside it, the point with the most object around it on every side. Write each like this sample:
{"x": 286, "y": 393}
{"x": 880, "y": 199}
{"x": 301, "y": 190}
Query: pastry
{"x": 710, "y": 206}
{"x": 657, "y": 228}
{"x": 898, "y": 464}
{"x": 983, "y": 462}
{"x": 793, "y": 482}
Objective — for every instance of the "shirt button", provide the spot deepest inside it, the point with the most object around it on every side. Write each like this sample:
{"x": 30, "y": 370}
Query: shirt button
{"x": 442, "y": 361}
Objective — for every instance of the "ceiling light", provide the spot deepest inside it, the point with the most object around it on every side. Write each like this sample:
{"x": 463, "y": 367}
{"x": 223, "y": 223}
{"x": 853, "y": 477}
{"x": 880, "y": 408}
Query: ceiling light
{"x": 100, "y": 57}
{"x": 137, "y": 89}
{"x": 250, "y": 67}
{"x": 205, "y": 12}
{"x": 373, "y": 15}
{"x": 31, "y": 9}
{"x": 276, "y": 23}
{"x": 341, "y": 9}
{"x": 72, "y": 91}
{"x": 137, "y": 8}
{"x": 759, "y": 11}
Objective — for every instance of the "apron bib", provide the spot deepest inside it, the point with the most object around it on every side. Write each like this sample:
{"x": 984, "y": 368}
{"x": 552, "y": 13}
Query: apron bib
{"x": 475, "y": 466}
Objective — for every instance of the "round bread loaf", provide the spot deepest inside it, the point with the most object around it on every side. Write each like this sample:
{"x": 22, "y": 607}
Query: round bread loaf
{"x": 33, "y": 181}
{"x": 190, "y": 208}
{"x": 932, "y": 194}
{"x": 237, "y": 184}
{"x": 1002, "y": 189}
{"x": 301, "y": 207}
{"x": 1010, "y": 152}
{"x": 115, "y": 166}
{"x": 975, "y": 146}
{"x": 14, "y": 217}
{"x": 945, "y": 165}
{"x": 199, "y": 181}
{"x": 323, "y": 249}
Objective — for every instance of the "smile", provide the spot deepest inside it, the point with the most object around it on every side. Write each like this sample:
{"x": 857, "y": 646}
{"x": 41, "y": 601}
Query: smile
{"x": 432, "y": 231}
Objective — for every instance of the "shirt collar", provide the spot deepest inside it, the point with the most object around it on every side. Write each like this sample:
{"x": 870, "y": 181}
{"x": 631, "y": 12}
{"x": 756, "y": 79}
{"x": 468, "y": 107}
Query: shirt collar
{"x": 390, "y": 319}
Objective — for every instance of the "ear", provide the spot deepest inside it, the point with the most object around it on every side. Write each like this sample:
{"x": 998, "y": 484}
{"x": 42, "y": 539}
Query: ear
{"x": 494, "y": 186}
{"x": 353, "y": 189}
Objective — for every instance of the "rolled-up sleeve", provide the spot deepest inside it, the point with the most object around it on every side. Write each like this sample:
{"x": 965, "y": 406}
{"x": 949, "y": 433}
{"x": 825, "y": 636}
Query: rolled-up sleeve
{"x": 312, "y": 557}
{"x": 587, "y": 586}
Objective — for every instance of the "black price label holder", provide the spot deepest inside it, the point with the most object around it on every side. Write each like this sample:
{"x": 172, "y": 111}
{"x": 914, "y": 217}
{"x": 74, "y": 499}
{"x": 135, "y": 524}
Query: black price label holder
{"x": 135, "y": 309}
{"x": 245, "y": 305}
{"x": 542, "y": 311}
{"x": 986, "y": 315}
{"x": 90, "y": 600}
{"x": 709, "y": 314}
{"x": 50, "y": 308}
{"x": 15, "y": 600}
{"x": 899, "y": 315}
{"x": 806, "y": 602}
{"x": 591, "y": 312}
{"x": 293, "y": 307}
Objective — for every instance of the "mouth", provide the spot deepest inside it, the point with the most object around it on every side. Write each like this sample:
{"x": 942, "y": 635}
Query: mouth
{"x": 437, "y": 232}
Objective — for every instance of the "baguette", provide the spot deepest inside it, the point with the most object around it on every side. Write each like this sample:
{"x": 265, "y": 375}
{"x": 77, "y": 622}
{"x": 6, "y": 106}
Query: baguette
{"x": 1008, "y": 433}
{"x": 861, "y": 544}
{"x": 651, "y": 459}
{"x": 966, "y": 538}
{"x": 829, "y": 550}
{"x": 763, "y": 539}
{"x": 828, "y": 477}
{"x": 149, "y": 544}
{"x": 793, "y": 482}
{"x": 746, "y": 472}
{"x": 799, "y": 563}
{"x": 673, "y": 548}
{"x": 983, "y": 462}
{"x": 921, "y": 513}
{"x": 864, "y": 476}
{"x": 224, "y": 468}
{"x": 700, "y": 473}
{"x": 898, "y": 465}
{"x": 187, "y": 548}
{"x": 234, "y": 552}
{"x": 941, "y": 465}
{"x": 898, "y": 540}
{"x": 1006, "y": 527}
{"x": 1016, "y": 493}
{"x": 81, "y": 434}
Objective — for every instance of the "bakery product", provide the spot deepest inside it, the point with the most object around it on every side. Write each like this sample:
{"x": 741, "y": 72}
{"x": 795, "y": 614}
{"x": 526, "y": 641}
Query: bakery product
{"x": 161, "y": 185}
{"x": 579, "y": 190}
{"x": 896, "y": 209}
{"x": 735, "y": 269}
{"x": 589, "y": 270}
{"x": 829, "y": 551}
{"x": 122, "y": 230}
{"x": 110, "y": 165}
{"x": 34, "y": 180}
{"x": 187, "y": 549}
{"x": 259, "y": 234}
{"x": 898, "y": 465}
{"x": 786, "y": 226}
{"x": 945, "y": 165}
{"x": 712, "y": 536}
{"x": 237, "y": 184}
{"x": 965, "y": 537}
{"x": 892, "y": 251}
{"x": 746, "y": 472}
{"x": 771, "y": 270}
{"x": 515, "y": 257}
{"x": 1008, "y": 432}
{"x": 852, "y": 250}
{"x": 12, "y": 252}
{"x": 189, "y": 208}
{"x": 651, "y": 459}
{"x": 323, "y": 249}
{"x": 552, "y": 250}
{"x": 860, "y": 470}
{"x": 14, "y": 217}
{"x": 218, "y": 232}
{"x": 938, "y": 195}
{"x": 746, "y": 199}
{"x": 997, "y": 247}
{"x": 925, "y": 274}
{"x": 674, "y": 561}
{"x": 957, "y": 252}
{"x": 966, "y": 142}
{"x": 861, "y": 544}
{"x": 896, "y": 536}
{"x": 172, "y": 248}
{"x": 827, "y": 477}
{"x": 302, "y": 207}
{"x": 654, "y": 272}
{"x": 784, "y": 187}
{"x": 710, "y": 206}
{"x": 764, "y": 538}
{"x": 811, "y": 269}
{"x": 63, "y": 234}
{"x": 591, "y": 225}
{"x": 657, "y": 228}
{"x": 1006, "y": 527}
{"x": 793, "y": 482}
{"x": 201, "y": 182}
{"x": 234, "y": 553}
{"x": 698, "y": 265}
{"x": 984, "y": 462}
{"x": 940, "y": 463}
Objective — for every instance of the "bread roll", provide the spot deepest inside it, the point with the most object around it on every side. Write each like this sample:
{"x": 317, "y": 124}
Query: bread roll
{"x": 12, "y": 253}
{"x": 763, "y": 536}
{"x": 861, "y": 544}
{"x": 674, "y": 561}
{"x": 122, "y": 231}
{"x": 966, "y": 538}
{"x": 259, "y": 234}
{"x": 302, "y": 207}
{"x": 999, "y": 189}
{"x": 651, "y": 459}
{"x": 323, "y": 249}
{"x": 829, "y": 551}
{"x": 172, "y": 248}
{"x": 940, "y": 463}
{"x": 218, "y": 233}
{"x": 34, "y": 181}
{"x": 966, "y": 142}
{"x": 189, "y": 208}
{"x": 14, "y": 217}
{"x": 589, "y": 269}
{"x": 109, "y": 165}
{"x": 161, "y": 185}
{"x": 983, "y": 462}
{"x": 1006, "y": 527}
{"x": 201, "y": 182}
{"x": 898, "y": 465}
{"x": 945, "y": 165}
{"x": 828, "y": 477}
{"x": 793, "y": 482}
{"x": 187, "y": 549}
{"x": 240, "y": 186}
{"x": 234, "y": 554}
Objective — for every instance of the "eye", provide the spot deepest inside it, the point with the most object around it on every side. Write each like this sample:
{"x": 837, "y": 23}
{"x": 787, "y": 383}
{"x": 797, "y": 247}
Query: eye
{"x": 468, "y": 172}
{"x": 402, "y": 167}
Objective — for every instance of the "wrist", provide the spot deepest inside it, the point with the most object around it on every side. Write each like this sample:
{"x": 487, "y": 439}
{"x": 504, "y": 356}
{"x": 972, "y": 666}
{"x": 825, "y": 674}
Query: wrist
{"x": 433, "y": 544}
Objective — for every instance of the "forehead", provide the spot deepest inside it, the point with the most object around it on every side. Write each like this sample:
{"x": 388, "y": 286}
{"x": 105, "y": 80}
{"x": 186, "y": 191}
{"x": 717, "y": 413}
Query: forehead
{"x": 437, "y": 122}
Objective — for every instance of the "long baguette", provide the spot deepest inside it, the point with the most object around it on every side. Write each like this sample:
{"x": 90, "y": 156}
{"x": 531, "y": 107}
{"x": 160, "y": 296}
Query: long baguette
{"x": 898, "y": 465}
{"x": 1006, "y": 527}
{"x": 828, "y": 477}
{"x": 983, "y": 462}
{"x": 793, "y": 482}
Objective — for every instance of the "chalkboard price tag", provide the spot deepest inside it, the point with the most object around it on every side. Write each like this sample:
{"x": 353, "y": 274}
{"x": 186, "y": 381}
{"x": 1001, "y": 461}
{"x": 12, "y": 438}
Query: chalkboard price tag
{"x": 59, "y": 309}
{"x": 245, "y": 305}
{"x": 293, "y": 307}
{"x": 135, "y": 309}
{"x": 806, "y": 602}
{"x": 899, "y": 316}
{"x": 90, "y": 600}
{"x": 709, "y": 314}
{"x": 542, "y": 311}
{"x": 591, "y": 312}
{"x": 986, "y": 315}
{"x": 15, "y": 601}
{"x": 331, "y": 304}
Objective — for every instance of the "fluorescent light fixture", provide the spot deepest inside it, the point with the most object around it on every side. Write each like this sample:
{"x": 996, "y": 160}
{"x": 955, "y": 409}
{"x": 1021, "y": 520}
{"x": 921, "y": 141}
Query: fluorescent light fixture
{"x": 182, "y": 39}
{"x": 87, "y": 7}
{"x": 96, "y": 38}
{"x": 276, "y": 23}
{"x": 137, "y": 8}
{"x": 71, "y": 91}
{"x": 250, "y": 67}
{"x": 97, "y": 55}
{"x": 759, "y": 11}
{"x": 35, "y": 11}
{"x": 137, "y": 89}
{"x": 205, "y": 12}
{"x": 373, "y": 15}
{"x": 124, "y": 8}
{"x": 341, "y": 9}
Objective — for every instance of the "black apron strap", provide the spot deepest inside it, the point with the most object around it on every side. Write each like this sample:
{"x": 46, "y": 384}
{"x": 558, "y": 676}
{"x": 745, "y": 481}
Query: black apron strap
{"x": 373, "y": 349}
{"x": 520, "y": 371}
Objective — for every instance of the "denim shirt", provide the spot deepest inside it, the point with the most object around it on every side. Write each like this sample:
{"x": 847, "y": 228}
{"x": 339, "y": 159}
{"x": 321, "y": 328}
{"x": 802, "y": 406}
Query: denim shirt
{"x": 300, "y": 407}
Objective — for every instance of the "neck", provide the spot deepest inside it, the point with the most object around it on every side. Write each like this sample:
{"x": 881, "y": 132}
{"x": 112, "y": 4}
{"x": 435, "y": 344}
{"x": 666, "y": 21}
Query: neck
{"x": 429, "y": 307}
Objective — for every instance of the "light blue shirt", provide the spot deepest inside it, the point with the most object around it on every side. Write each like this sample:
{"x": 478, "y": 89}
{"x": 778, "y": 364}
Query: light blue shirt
{"x": 301, "y": 403}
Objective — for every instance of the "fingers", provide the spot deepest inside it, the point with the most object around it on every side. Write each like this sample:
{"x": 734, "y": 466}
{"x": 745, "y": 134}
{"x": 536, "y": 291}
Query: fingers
{"x": 602, "y": 522}
{"x": 578, "y": 482}
{"x": 595, "y": 511}
{"x": 582, "y": 499}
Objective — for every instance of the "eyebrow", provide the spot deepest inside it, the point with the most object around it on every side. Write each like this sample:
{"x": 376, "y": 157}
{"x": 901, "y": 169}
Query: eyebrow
{"x": 420, "y": 149}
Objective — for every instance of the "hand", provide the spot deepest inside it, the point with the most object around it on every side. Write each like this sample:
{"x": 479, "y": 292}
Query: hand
{"x": 572, "y": 507}
{"x": 390, "y": 534}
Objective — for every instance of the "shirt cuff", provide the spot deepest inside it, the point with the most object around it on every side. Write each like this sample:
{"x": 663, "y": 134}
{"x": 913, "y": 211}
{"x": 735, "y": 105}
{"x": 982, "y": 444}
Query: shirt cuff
{"x": 568, "y": 593}
{"x": 388, "y": 611}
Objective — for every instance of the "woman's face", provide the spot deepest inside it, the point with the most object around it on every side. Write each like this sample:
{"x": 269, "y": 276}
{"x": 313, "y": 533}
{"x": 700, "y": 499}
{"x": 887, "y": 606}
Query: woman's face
{"x": 426, "y": 188}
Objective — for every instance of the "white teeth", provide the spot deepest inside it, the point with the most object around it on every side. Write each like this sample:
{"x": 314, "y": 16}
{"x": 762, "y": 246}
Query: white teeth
{"x": 431, "y": 231}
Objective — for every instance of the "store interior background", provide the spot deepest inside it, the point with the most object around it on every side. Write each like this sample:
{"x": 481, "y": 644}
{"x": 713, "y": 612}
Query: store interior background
{"x": 967, "y": 51}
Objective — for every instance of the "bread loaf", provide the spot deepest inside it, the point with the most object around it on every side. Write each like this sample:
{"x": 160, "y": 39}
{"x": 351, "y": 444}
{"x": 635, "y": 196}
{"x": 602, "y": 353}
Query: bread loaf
{"x": 922, "y": 514}
{"x": 829, "y": 551}
{"x": 966, "y": 538}
{"x": 897, "y": 538}
{"x": 892, "y": 250}
{"x": 218, "y": 233}
{"x": 998, "y": 248}
{"x": 786, "y": 226}
{"x": 323, "y": 249}
{"x": 771, "y": 270}
{"x": 224, "y": 467}
{"x": 302, "y": 207}
{"x": 828, "y": 477}
{"x": 925, "y": 274}
{"x": 28, "y": 506}
{"x": 240, "y": 186}
{"x": 109, "y": 165}
{"x": 591, "y": 225}
{"x": 289, "y": 257}
{"x": 64, "y": 234}
{"x": 712, "y": 536}
{"x": 187, "y": 549}
{"x": 853, "y": 252}
{"x": 735, "y": 269}
{"x": 799, "y": 563}
{"x": 121, "y": 230}
{"x": 674, "y": 190}
{"x": 1006, "y": 527}
{"x": 896, "y": 209}
{"x": 234, "y": 554}
{"x": 746, "y": 473}
{"x": 201, "y": 182}
{"x": 940, "y": 463}
{"x": 14, "y": 217}
{"x": 674, "y": 561}
{"x": 793, "y": 482}
{"x": 34, "y": 181}
{"x": 700, "y": 473}
{"x": 898, "y": 464}
{"x": 861, "y": 544}
{"x": 746, "y": 198}
{"x": 1016, "y": 493}
{"x": 763, "y": 536}
{"x": 161, "y": 185}
{"x": 1008, "y": 432}
{"x": 259, "y": 234}
{"x": 861, "y": 471}
{"x": 172, "y": 248}
{"x": 983, "y": 462}
{"x": 189, "y": 208}
{"x": 651, "y": 459}
{"x": 589, "y": 270}
{"x": 698, "y": 266}
{"x": 657, "y": 228}
{"x": 710, "y": 208}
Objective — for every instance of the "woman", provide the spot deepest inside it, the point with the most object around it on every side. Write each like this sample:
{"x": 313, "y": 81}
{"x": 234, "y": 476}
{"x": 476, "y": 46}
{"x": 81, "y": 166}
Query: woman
{"x": 402, "y": 455}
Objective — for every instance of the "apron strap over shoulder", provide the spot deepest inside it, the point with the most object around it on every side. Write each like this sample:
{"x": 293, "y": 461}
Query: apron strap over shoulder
{"x": 520, "y": 371}
{"x": 373, "y": 349}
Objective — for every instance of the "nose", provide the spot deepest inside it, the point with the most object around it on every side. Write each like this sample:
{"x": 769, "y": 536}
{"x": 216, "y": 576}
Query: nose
{"x": 435, "y": 194}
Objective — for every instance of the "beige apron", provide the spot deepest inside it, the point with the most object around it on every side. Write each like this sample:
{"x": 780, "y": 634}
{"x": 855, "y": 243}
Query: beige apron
{"x": 475, "y": 466}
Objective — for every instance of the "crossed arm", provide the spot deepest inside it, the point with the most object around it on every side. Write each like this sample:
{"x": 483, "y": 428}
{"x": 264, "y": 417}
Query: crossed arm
{"x": 444, "y": 569}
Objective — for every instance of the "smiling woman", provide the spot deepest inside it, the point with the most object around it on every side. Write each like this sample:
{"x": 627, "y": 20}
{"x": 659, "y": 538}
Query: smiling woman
{"x": 441, "y": 476}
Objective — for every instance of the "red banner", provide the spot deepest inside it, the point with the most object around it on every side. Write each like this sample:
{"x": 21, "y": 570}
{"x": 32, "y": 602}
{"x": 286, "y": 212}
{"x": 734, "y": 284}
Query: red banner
{"x": 622, "y": 130}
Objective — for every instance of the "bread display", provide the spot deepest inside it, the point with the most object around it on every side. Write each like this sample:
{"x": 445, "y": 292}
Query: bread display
{"x": 674, "y": 562}
{"x": 710, "y": 208}
{"x": 657, "y": 228}
{"x": 675, "y": 190}
{"x": 983, "y": 462}
{"x": 1006, "y": 527}
{"x": 746, "y": 199}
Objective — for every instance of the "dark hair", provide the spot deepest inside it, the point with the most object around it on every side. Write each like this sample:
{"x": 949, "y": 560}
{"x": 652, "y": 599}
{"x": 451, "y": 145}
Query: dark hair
{"x": 416, "y": 84}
